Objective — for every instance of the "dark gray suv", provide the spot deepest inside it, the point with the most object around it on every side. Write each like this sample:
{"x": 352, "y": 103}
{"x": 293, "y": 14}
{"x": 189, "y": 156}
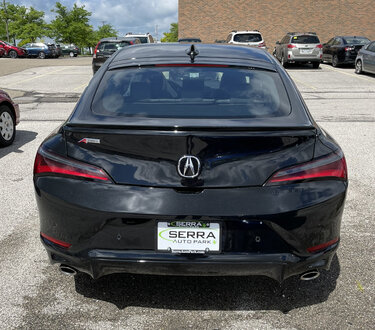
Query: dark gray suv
{"x": 106, "y": 47}
{"x": 297, "y": 47}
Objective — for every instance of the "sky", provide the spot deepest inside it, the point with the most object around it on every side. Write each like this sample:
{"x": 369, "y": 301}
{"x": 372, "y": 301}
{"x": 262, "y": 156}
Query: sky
{"x": 137, "y": 16}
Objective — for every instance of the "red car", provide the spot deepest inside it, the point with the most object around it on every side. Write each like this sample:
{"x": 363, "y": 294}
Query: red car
{"x": 9, "y": 118}
{"x": 12, "y": 51}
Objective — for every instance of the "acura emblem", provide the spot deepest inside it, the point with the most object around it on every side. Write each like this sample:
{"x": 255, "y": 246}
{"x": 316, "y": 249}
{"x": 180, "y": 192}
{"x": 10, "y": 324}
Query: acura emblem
{"x": 188, "y": 166}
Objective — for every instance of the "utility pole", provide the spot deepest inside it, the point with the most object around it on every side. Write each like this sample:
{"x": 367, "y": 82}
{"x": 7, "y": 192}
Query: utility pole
{"x": 156, "y": 32}
{"x": 6, "y": 19}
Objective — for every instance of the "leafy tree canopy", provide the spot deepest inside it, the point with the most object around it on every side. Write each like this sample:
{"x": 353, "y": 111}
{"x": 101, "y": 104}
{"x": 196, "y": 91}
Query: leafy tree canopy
{"x": 72, "y": 26}
{"x": 172, "y": 35}
{"x": 105, "y": 31}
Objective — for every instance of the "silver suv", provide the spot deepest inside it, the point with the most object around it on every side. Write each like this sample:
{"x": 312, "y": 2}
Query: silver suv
{"x": 298, "y": 47}
{"x": 251, "y": 38}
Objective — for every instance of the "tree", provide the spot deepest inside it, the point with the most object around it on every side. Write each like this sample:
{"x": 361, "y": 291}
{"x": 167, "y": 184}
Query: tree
{"x": 172, "y": 35}
{"x": 105, "y": 31}
{"x": 72, "y": 26}
{"x": 25, "y": 24}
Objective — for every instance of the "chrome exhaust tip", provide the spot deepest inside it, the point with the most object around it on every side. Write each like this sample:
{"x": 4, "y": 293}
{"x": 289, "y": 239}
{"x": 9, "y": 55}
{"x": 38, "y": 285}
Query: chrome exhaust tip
{"x": 67, "y": 270}
{"x": 310, "y": 275}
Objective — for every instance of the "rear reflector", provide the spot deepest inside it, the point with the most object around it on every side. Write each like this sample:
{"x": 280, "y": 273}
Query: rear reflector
{"x": 56, "y": 241}
{"x": 323, "y": 246}
{"x": 332, "y": 166}
{"x": 48, "y": 163}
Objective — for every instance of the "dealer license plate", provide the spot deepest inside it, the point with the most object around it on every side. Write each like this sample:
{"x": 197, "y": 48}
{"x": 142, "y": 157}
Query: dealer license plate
{"x": 188, "y": 237}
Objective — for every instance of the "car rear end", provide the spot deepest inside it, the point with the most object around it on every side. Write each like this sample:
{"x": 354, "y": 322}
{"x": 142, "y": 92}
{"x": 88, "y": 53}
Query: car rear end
{"x": 203, "y": 168}
{"x": 352, "y": 45}
{"x": 249, "y": 38}
{"x": 304, "y": 48}
{"x": 106, "y": 48}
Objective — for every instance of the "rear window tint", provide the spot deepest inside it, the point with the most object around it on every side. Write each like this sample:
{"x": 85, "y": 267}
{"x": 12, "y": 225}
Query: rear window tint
{"x": 305, "y": 40}
{"x": 104, "y": 46}
{"x": 191, "y": 92}
{"x": 143, "y": 40}
{"x": 247, "y": 37}
{"x": 356, "y": 40}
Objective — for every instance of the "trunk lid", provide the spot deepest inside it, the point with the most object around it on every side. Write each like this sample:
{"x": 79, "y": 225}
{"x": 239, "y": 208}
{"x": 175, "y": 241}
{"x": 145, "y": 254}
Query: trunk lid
{"x": 227, "y": 158}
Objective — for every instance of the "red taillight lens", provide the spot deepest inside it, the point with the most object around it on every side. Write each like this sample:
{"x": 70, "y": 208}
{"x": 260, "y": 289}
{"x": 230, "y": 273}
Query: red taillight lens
{"x": 56, "y": 241}
{"x": 328, "y": 167}
{"x": 347, "y": 49}
{"x": 319, "y": 46}
{"x": 262, "y": 44}
{"x": 291, "y": 46}
{"x": 96, "y": 49}
{"x": 47, "y": 162}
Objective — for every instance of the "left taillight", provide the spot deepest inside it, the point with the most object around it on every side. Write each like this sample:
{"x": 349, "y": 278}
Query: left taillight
{"x": 49, "y": 163}
{"x": 332, "y": 166}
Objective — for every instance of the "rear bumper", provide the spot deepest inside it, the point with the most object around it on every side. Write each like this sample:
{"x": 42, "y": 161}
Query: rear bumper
{"x": 278, "y": 266}
{"x": 265, "y": 230}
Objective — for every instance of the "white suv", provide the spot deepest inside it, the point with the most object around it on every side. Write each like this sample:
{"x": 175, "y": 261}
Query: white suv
{"x": 144, "y": 38}
{"x": 251, "y": 38}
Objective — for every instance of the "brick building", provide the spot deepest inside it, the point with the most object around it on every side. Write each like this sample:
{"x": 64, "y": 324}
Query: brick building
{"x": 214, "y": 19}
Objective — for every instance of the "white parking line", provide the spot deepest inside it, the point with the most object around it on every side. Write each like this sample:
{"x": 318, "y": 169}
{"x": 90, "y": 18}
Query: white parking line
{"x": 349, "y": 74}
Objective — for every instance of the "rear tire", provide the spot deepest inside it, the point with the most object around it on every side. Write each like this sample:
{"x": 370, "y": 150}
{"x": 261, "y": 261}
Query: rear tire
{"x": 358, "y": 67}
{"x": 335, "y": 61}
{"x": 284, "y": 63}
{"x": 42, "y": 55}
{"x": 7, "y": 126}
{"x": 315, "y": 65}
{"x": 13, "y": 54}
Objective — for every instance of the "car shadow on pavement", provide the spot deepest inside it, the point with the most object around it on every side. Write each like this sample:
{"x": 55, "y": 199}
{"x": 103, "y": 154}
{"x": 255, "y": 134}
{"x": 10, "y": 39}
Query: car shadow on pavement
{"x": 209, "y": 293}
{"x": 22, "y": 138}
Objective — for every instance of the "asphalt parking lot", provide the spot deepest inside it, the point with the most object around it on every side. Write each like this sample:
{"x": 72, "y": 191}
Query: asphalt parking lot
{"x": 34, "y": 295}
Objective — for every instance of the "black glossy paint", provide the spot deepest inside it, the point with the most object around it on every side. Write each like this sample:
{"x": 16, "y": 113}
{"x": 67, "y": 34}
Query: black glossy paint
{"x": 266, "y": 230}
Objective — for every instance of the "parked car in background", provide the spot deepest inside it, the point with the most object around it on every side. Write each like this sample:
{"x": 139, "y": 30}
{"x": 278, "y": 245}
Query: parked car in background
{"x": 189, "y": 40}
{"x": 55, "y": 49}
{"x": 9, "y": 118}
{"x": 39, "y": 50}
{"x": 107, "y": 47}
{"x": 71, "y": 50}
{"x": 250, "y": 38}
{"x": 343, "y": 49}
{"x": 144, "y": 38}
{"x": 12, "y": 51}
{"x": 200, "y": 162}
{"x": 299, "y": 47}
{"x": 365, "y": 61}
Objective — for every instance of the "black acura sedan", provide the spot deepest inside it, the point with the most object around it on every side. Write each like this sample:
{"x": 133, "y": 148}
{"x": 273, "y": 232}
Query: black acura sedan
{"x": 191, "y": 160}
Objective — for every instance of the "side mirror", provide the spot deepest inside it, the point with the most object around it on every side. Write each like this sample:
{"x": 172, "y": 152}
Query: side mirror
{"x": 277, "y": 42}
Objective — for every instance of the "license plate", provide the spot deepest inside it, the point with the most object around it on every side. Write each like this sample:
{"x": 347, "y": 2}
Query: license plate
{"x": 305, "y": 51}
{"x": 188, "y": 237}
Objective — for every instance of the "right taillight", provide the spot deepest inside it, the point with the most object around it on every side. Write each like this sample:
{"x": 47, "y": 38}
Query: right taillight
{"x": 291, "y": 46}
{"x": 49, "y": 163}
{"x": 332, "y": 166}
{"x": 319, "y": 46}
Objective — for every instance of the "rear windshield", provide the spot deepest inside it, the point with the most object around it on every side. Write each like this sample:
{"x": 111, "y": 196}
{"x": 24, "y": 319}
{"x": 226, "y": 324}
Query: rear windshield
{"x": 247, "y": 37}
{"x": 143, "y": 40}
{"x": 108, "y": 46}
{"x": 191, "y": 92}
{"x": 356, "y": 40}
{"x": 305, "y": 40}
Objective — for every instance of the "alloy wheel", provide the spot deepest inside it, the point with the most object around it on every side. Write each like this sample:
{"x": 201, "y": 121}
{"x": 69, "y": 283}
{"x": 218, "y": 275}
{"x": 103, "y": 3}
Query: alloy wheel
{"x": 358, "y": 67}
{"x": 6, "y": 126}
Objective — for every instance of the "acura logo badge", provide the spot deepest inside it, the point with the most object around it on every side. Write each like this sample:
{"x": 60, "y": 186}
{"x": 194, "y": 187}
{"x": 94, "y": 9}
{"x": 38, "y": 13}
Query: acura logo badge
{"x": 188, "y": 166}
